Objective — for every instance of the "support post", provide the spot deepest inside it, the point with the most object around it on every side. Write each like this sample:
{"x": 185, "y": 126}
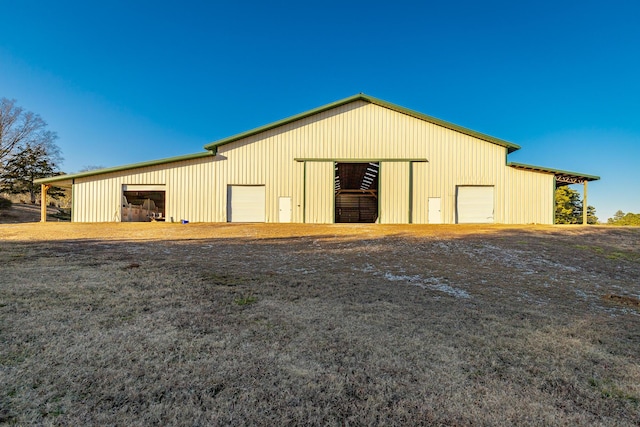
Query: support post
{"x": 585, "y": 205}
{"x": 43, "y": 202}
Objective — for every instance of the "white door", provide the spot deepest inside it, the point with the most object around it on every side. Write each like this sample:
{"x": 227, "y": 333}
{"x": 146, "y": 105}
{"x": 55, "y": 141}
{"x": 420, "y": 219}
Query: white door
{"x": 246, "y": 203}
{"x": 475, "y": 204}
{"x": 435, "y": 214}
{"x": 284, "y": 205}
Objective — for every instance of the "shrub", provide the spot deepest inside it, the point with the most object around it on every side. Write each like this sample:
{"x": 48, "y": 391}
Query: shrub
{"x": 5, "y": 203}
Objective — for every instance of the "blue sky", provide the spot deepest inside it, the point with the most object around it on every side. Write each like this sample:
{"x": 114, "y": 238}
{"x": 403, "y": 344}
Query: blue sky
{"x": 128, "y": 81}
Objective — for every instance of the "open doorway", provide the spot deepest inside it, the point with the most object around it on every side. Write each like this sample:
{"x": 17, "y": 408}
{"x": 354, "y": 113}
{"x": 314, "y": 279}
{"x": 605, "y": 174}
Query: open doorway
{"x": 356, "y": 192}
{"x": 143, "y": 204}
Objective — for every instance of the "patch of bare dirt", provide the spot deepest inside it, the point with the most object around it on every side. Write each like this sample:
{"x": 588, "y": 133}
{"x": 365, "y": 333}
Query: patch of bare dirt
{"x": 24, "y": 213}
{"x": 624, "y": 300}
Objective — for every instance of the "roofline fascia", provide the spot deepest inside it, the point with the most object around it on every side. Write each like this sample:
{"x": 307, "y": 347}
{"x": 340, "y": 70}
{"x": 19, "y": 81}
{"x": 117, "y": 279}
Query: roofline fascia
{"x": 553, "y": 171}
{"x": 124, "y": 167}
{"x": 511, "y": 147}
{"x": 360, "y": 160}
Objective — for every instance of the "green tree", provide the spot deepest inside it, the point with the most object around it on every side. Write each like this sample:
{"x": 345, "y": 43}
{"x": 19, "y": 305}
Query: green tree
{"x": 569, "y": 207}
{"x": 29, "y": 162}
{"x": 620, "y": 218}
{"x": 592, "y": 219}
{"x": 616, "y": 217}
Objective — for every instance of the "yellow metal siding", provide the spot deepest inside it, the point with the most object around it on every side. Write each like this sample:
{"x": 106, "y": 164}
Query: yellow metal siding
{"x": 319, "y": 193}
{"x": 366, "y": 131}
{"x": 530, "y": 197}
{"x": 188, "y": 191}
{"x": 197, "y": 189}
{"x": 420, "y": 195}
{"x": 394, "y": 192}
{"x": 297, "y": 188}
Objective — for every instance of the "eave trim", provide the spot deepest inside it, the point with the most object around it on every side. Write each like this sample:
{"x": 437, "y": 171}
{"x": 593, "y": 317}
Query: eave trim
{"x": 123, "y": 167}
{"x": 357, "y": 160}
{"x": 556, "y": 172}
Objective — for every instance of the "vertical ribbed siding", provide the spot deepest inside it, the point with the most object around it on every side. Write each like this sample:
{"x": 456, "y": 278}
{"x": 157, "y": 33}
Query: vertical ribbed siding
{"x": 189, "y": 190}
{"x": 98, "y": 200}
{"x": 420, "y": 194}
{"x": 197, "y": 189}
{"x": 529, "y": 196}
{"x": 297, "y": 191}
{"x": 319, "y": 195}
{"x": 394, "y": 192}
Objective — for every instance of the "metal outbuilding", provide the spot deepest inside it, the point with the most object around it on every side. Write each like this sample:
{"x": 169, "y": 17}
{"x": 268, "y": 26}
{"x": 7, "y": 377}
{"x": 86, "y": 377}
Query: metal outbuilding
{"x": 359, "y": 159}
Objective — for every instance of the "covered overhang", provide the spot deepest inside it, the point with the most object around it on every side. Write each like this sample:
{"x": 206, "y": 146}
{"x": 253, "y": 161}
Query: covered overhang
{"x": 61, "y": 181}
{"x": 562, "y": 178}
{"x": 67, "y": 180}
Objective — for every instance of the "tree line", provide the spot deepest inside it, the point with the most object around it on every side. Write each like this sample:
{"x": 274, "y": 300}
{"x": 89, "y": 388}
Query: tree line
{"x": 621, "y": 218}
{"x": 28, "y": 151}
{"x": 569, "y": 210}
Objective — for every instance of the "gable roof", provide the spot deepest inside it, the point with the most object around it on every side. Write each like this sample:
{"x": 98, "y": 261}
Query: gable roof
{"x": 213, "y": 146}
{"x": 65, "y": 180}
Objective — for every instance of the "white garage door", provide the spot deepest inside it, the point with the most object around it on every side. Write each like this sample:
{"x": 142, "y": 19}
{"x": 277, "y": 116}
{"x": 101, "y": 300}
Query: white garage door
{"x": 475, "y": 205}
{"x": 246, "y": 203}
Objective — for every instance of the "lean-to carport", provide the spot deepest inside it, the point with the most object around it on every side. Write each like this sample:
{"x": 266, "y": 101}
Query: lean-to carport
{"x": 564, "y": 178}
{"x": 44, "y": 188}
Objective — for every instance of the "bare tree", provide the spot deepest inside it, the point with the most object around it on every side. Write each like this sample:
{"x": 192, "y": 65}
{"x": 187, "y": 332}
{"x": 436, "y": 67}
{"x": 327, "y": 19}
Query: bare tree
{"x": 27, "y": 150}
{"x": 28, "y": 163}
{"x": 20, "y": 128}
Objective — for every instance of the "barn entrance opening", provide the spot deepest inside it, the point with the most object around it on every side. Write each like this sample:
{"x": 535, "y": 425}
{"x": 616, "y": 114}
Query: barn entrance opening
{"x": 143, "y": 205}
{"x": 356, "y": 192}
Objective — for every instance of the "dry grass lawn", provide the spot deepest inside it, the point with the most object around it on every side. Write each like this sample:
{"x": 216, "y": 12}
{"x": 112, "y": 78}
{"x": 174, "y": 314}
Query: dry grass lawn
{"x": 169, "y": 324}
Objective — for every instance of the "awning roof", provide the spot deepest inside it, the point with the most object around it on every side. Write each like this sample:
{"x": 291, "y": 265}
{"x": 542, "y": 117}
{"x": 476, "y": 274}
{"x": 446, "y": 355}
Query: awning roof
{"x": 67, "y": 179}
{"x": 562, "y": 177}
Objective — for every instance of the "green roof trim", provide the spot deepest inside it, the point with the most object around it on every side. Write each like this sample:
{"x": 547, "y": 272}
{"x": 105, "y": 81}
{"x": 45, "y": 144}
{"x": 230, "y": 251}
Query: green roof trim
{"x": 362, "y": 97}
{"x": 360, "y": 160}
{"x": 553, "y": 171}
{"x": 72, "y": 176}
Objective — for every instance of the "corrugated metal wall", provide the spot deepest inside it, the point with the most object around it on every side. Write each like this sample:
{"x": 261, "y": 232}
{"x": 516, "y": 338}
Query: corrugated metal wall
{"x": 188, "y": 184}
{"x": 530, "y": 197}
{"x": 363, "y": 131}
{"x": 420, "y": 193}
{"x": 319, "y": 193}
{"x": 98, "y": 199}
{"x": 197, "y": 189}
{"x": 394, "y": 193}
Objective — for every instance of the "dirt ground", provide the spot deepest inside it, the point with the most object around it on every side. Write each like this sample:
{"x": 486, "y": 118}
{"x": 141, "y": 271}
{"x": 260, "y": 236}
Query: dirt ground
{"x": 226, "y": 324}
{"x": 22, "y": 212}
